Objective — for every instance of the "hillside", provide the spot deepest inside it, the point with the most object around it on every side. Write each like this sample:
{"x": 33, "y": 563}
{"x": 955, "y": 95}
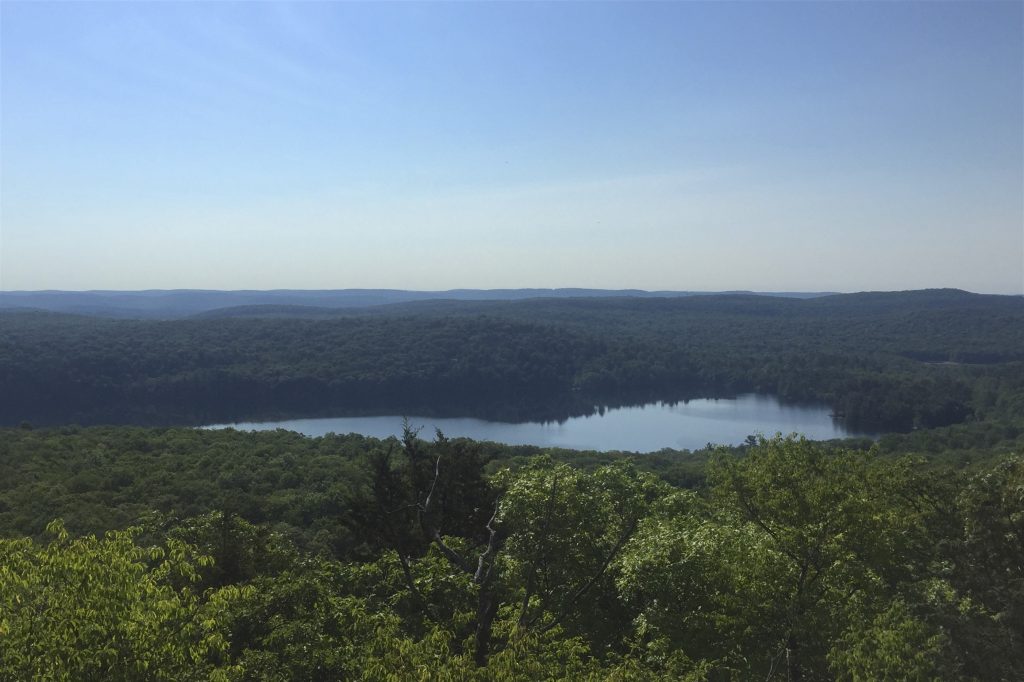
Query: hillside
{"x": 179, "y": 303}
{"x": 889, "y": 361}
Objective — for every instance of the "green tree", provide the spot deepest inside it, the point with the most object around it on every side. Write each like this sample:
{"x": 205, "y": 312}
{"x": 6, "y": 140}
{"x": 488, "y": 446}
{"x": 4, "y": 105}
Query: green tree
{"x": 795, "y": 547}
{"x": 548, "y": 546}
{"x": 989, "y": 561}
{"x": 565, "y": 531}
{"x": 105, "y": 609}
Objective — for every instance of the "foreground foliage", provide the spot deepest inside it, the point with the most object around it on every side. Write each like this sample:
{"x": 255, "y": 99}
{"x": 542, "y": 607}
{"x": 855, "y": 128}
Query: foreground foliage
{"x": 795, "y": 561}
{"x": 88, "y": 608}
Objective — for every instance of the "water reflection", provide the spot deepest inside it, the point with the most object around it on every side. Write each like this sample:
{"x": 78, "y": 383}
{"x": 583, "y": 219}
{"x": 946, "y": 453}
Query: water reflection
{"x": 644, "y": 428}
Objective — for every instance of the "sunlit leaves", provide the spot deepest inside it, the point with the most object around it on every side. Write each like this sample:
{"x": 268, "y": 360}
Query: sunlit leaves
{"x": 801, "y": 559}
{"x": 566, "y": 529}
{"x": 88, "y": 608}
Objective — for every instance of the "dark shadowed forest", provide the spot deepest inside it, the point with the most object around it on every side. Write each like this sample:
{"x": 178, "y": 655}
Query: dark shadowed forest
{"x": 882, "y": 362}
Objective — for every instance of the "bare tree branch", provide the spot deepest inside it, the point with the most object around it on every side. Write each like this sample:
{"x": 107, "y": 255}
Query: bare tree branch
{"x": 430, "y": 495}
{"x": 433, "y": 532}
{"x": 451, "y": 555}
{"x": 487, "y": 556}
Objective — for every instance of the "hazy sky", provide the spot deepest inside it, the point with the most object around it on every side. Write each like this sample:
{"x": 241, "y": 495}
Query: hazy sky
{"x": 702, "y": 146}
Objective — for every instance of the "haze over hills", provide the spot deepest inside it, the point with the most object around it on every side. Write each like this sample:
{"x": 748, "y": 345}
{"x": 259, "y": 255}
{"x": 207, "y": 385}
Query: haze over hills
{"x": 179, "y": 303}
{"x": 610, "y": 306}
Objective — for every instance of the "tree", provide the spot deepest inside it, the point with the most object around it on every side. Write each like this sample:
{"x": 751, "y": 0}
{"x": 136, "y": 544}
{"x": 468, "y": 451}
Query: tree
{"x": 989, "y": 562}
{"x": 797, "y": 548}
{"x": 105, "y": 609}
{"x": 547, "y": 545}
{"x": 566, "y": 529}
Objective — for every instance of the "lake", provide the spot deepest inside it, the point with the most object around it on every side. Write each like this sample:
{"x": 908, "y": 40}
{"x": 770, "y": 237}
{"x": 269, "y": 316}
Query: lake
{"x": 645, "y": 428}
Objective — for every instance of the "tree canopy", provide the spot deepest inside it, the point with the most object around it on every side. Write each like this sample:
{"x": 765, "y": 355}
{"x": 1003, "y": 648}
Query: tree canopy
{"x": 795, "y": 560}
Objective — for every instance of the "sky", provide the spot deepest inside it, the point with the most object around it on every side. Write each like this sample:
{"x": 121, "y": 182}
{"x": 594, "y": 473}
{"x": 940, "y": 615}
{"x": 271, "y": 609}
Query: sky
{"x": 809, "y": 146}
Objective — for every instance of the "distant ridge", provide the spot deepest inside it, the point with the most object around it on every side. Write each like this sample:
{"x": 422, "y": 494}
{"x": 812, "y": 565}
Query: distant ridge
{"x": 180, "y": 303}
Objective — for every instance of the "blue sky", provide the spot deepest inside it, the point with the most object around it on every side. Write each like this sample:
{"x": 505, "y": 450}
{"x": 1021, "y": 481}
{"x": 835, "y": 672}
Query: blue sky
{"x": 700, "y": 146}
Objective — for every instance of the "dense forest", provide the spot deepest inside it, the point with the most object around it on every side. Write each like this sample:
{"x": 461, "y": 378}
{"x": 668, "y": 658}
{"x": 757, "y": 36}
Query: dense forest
{"x": 147, "y": 550}
{"x": 182, "y": 554}
{"x": 882, "y": 362}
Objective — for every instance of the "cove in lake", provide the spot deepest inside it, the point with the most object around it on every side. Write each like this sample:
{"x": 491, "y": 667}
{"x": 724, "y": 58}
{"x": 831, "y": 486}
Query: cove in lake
{"x": 688, "y": 425}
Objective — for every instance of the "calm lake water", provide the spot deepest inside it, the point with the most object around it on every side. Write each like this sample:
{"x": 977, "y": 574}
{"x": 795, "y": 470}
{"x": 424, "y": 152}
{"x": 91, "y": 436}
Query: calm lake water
{"x": 646, "y": 428}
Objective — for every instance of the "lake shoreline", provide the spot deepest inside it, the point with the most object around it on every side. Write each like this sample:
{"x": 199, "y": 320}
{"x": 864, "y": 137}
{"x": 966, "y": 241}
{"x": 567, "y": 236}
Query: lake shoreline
{"x": 683, "y": 424}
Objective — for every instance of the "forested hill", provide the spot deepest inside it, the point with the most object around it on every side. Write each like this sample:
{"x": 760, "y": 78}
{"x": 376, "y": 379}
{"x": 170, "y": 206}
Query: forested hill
{"x": 886, "y": 361}
{"x": 178, "y": 303}
{"x": 869, "y": 303}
